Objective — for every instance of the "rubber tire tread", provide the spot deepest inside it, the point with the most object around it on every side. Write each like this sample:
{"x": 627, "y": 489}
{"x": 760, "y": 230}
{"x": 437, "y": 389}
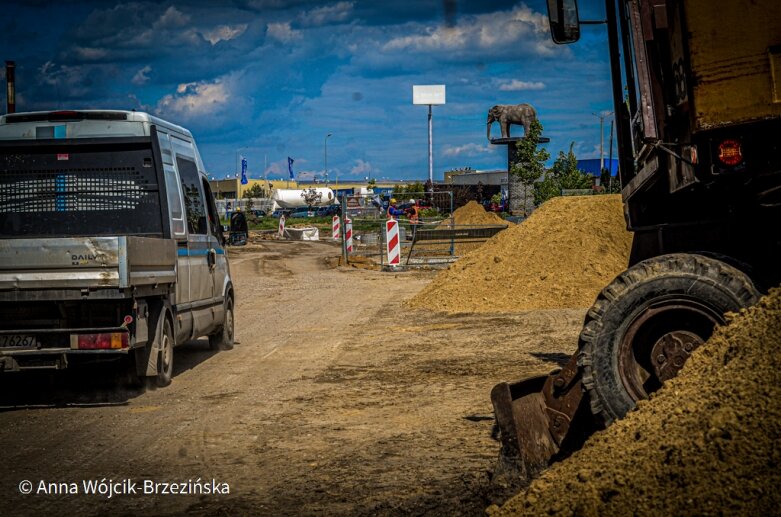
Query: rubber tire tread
{"x": 165, "y": 376}
{"x": 710, "y": 281}
{"x": 222, "y": 340}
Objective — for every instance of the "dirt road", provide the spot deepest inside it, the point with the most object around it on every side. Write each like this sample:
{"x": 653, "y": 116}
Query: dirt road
{"x": 336, "y": 400}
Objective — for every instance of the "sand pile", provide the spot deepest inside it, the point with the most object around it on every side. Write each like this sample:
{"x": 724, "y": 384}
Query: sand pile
{"x": 560, "y": 257}
{"x": 471, "y": 214}
{"x": 705, "y": 444}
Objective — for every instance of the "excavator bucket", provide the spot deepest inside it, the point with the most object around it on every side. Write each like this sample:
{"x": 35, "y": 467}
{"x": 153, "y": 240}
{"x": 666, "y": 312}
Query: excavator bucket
{"x": 541, "y": 419}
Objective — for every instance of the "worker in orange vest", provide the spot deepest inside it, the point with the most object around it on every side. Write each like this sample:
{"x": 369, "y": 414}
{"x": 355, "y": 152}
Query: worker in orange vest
{"x": 413, "y": 212}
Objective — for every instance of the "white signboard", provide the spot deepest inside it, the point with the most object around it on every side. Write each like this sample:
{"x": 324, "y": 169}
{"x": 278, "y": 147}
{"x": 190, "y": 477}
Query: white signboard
{"x": 428, "y": 94}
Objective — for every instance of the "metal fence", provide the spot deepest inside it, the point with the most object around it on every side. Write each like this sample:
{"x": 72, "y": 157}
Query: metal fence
{"x": 434, "y": 239}
{"x": 226, "y": 206}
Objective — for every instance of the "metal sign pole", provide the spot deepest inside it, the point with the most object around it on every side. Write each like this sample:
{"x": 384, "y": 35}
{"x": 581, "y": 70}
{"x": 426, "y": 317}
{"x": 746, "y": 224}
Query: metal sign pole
{"x": 429, "y": 95}
{"x": 430, "y": 149}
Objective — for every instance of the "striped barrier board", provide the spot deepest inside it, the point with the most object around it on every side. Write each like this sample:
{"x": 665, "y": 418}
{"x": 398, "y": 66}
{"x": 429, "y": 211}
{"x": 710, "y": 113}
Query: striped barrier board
{"x": 281, "y": 226}
{"x": 348, "y": 234}
{"x": 336, "y": 228}
{"x": 392, "y": 243}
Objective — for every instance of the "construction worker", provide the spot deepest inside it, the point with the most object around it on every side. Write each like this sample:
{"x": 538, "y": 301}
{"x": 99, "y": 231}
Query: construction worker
{"x": 413, "y": 212}
{"x": 238, "y": 228}
{"x": 393, "y": 211}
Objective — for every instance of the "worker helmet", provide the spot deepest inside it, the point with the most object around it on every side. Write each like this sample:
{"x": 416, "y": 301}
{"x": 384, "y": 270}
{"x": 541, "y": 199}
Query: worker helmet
{"x": 412, "y": 201}
{"x": 393, "y": 200}
{"x": 238, "y": 209}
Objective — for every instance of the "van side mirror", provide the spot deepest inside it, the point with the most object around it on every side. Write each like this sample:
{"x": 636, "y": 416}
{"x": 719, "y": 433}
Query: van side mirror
{"x": 564, "y": 21}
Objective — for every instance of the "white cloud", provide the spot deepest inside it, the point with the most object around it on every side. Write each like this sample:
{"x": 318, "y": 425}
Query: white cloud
{"x": 172, "y": 17}
{"x": 89, "y": 53}
{"x": 361, "y": 167}
{"x": 338, "y": 12}
{"x": 282, "y": 32}
{"x": 69, "y": 80}
{"x": 485, "y": 31}
{"x": 224, "y": 33}
{"x": 516, "y": 85}
{"x": 467, "y": 150}
{"x": 141, "y": 76}
{"x": 195, "y": 99}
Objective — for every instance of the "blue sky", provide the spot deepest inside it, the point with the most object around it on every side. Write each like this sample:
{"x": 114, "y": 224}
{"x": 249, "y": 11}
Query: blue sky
{"x": 269, "y": 79}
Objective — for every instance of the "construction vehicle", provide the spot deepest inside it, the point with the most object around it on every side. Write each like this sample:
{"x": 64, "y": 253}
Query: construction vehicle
{"x": 697, "y": 94}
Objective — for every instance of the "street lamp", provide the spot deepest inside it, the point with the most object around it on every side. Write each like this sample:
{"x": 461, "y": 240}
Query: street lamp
{"x": 602, "y": 116}
{"x": 325, "y": 157}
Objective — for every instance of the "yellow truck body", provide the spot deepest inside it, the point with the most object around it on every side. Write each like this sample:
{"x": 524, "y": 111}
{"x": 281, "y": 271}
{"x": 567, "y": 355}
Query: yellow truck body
{"x": 734, "y": 48}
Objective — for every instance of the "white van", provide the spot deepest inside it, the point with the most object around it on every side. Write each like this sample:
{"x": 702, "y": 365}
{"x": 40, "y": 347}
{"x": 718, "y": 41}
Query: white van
{"x": 110, "y": 243}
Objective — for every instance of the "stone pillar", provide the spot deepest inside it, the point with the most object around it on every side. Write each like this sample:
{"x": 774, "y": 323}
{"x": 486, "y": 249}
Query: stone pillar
{"x": 515, "y": 188}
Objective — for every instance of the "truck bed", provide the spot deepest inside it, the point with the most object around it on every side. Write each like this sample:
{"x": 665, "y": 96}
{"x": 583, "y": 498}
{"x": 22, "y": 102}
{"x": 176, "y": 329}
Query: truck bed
{"x": 86, "y": 263}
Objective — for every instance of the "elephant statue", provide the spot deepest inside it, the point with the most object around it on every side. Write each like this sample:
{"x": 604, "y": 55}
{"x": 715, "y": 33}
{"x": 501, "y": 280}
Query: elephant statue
{"x": 507, "y": 114}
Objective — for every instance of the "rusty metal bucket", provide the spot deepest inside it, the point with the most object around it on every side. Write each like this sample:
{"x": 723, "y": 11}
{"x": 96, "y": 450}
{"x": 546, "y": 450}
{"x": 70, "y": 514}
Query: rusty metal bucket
{"x": 541, "y": 419}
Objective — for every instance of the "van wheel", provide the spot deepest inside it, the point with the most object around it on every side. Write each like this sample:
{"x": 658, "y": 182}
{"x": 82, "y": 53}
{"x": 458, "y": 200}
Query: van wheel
{"x": 222, "y": 339}
{"x": 165, "y": 356}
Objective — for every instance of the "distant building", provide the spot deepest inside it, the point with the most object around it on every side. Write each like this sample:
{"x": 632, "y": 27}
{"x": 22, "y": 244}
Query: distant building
{"x": 496, "y": 178}
{"x": 456, "y": 172}
{"x": 591, "y": 166}
{"x": 231, "y": 188}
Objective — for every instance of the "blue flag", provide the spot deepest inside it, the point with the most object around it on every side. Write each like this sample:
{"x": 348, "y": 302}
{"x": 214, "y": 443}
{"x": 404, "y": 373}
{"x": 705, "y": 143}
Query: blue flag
{"x": 244, "y": 180}
{"x": 290, "y": 167}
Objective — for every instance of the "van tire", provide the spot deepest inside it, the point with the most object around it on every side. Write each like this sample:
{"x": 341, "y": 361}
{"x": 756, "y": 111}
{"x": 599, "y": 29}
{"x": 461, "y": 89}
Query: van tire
{"x": 222, "y": 339}
{"x": 164, "y": 339}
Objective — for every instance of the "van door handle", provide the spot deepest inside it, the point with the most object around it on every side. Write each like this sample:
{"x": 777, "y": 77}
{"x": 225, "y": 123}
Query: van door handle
{"x": 212, "y": 258}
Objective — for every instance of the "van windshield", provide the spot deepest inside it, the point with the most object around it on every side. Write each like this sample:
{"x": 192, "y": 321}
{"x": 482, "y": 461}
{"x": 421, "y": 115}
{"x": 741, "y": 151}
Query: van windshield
{"x": 68, "y": 189}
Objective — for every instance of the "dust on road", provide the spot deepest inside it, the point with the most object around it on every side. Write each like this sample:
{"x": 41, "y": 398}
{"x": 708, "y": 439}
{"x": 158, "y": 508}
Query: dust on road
{"x": 336, "y": 400}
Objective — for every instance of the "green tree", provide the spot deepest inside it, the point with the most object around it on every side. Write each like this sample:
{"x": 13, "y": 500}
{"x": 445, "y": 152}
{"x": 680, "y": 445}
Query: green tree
{"x": 609, "y": 185}
{"x": 564, "y": 174}
{"x": 255, "y": 191}
{"x": 371, "y": 183}
{"x": 415, "y": 188}
{"x": 530, "y": 162}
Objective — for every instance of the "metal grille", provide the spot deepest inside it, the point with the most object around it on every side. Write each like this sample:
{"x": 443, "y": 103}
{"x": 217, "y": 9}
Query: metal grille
{"x": 118, "y": 188}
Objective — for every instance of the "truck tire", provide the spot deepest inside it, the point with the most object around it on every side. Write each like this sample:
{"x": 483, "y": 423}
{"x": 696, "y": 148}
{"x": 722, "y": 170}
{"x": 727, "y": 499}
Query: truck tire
{"x": 165, "y": 359}
{"x": 645, "y": 324}
{"x": 222, "y": 339}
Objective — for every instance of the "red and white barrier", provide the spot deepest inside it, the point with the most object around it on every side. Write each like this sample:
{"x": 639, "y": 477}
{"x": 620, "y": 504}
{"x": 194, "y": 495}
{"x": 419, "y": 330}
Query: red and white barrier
{"x": 281, "y": 226}
{"x": 348, "y": 234}
{"x": 392, "y": 243}
{"x": 336, "y": 229}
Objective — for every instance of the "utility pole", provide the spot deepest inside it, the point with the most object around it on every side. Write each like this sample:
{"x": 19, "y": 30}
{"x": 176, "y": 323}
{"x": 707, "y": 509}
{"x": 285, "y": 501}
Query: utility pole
{"x": 325, "y": 157}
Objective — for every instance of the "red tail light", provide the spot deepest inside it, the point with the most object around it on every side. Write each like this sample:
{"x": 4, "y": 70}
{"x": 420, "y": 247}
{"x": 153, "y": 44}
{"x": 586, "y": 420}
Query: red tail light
{"x": 730, "y": 152}
{"x": 107, "y": 341}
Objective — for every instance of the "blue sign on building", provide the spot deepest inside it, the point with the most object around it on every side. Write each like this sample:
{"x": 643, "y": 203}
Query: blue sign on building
{"x": 591, "y": 166}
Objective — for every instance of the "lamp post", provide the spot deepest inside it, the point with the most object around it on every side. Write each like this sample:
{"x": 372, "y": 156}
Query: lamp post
{"x": 325, "y": 157}
{"x": 602, "y": 117}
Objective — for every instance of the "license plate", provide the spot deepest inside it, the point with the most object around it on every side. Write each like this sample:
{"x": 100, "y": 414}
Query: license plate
{"x": 18, "y": 341}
